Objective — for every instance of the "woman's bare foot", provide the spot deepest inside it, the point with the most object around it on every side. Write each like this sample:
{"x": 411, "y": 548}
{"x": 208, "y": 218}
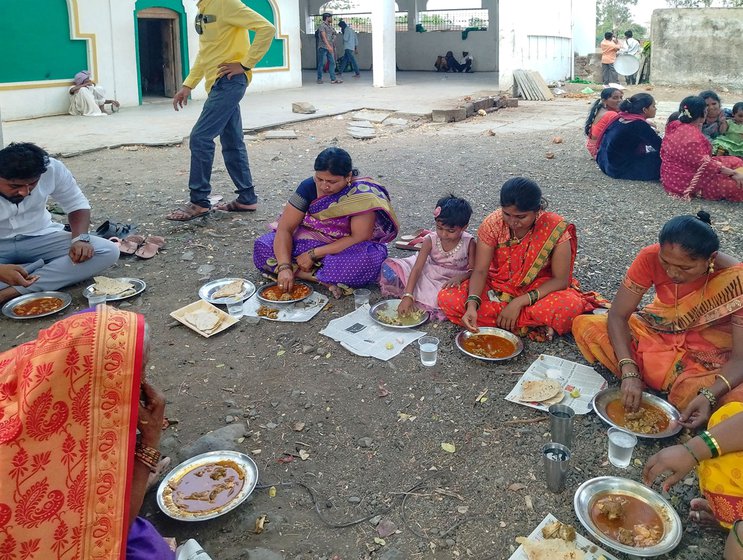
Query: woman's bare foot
{"x": 335, "y": 290}
{"x": 701, "y": 513}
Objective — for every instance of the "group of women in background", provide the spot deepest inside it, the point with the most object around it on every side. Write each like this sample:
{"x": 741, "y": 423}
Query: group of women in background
{"x": 697, "y": 157}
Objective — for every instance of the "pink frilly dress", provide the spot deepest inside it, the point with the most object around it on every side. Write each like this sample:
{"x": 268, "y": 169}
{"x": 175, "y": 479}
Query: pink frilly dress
{"x": 441, "y": 266}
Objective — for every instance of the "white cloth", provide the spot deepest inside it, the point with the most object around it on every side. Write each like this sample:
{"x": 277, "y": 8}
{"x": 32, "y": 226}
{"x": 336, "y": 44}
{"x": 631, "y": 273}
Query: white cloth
{"x": 87, "y": 102}
{"x": 31, "y": 217}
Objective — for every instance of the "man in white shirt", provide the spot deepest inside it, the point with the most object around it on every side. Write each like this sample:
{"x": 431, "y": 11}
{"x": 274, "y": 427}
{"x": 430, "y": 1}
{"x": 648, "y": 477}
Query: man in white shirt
{"x": 632, "y": 47}
{"x": 29, "y": 237}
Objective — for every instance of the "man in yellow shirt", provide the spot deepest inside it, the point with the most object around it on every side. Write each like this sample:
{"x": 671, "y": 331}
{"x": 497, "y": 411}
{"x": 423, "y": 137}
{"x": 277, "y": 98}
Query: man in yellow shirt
{"x": 225, "y": 60}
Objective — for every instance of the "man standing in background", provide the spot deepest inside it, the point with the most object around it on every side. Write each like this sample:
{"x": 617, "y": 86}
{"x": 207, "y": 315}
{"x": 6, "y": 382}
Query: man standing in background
{"x": 609, "y": 47}
{"x": 225, "y": 61}
{"x": 631, "y": 47}
{"x": 351, "y": 47}
{"x": 326, "y": 49}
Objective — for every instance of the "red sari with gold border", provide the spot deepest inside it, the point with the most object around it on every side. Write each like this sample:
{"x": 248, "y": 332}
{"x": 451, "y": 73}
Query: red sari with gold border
{"x": 519, "y": 266}
{"x": 68, "y": 415}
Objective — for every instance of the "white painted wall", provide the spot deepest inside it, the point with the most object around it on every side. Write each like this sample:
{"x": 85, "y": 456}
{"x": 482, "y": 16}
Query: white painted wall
{"x": 115, "y": 68}
{"x": 584, "y": 26}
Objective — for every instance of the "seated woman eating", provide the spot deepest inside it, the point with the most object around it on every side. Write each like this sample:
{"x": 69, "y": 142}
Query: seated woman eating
{"x": 689, "y": 341}
{"x": 603, "y": 112}
{"x": 334, "y": 229}
{"x": 688, "y": 170}
{"x": 523, "y": 277}
{"x": 74, "y": 470}
{"x": 718, "y": 454}
{"x": 629, "y": 149}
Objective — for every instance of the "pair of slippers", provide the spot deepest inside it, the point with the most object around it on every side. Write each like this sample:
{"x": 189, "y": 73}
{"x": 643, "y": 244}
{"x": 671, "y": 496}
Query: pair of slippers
{"x": 140, "y": 246}
{"x": 412, "y": 242}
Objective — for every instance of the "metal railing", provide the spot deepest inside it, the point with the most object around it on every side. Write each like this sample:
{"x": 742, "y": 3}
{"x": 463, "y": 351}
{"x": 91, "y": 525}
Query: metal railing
{"x": 453, "y": 20}
{"x": 359, "y": 22}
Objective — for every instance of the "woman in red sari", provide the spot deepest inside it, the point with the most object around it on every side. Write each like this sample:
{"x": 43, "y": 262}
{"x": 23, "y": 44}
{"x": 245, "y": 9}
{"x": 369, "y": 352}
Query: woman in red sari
{"x": 687, "y": 169}
{"x": 73, "y": 473}
{"x": 523, "y": 277}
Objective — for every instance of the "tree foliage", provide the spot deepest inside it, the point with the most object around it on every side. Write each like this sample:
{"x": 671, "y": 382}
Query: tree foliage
{"x": 616, "y": 16}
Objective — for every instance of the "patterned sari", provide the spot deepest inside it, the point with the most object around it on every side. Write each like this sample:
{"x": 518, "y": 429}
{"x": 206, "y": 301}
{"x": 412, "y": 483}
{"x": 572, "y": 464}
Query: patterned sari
{"x": 329, "y": 219}
{"x": 679, "y": 345}
{"x": 520, "y": 266}
{"x": 688, "y": 170}
{"x": 68, "y": 417}
{"x": 720, "y": 479}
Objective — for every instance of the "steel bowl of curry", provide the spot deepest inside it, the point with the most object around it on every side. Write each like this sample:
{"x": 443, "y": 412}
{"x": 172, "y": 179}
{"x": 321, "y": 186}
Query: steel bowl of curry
{"x": 35, "y": 305}
{"x": 628, "y": 516}
{"x": 490, "y": 344}
{"x": 273, "y": 293}
{"x": 207, "y": 485}
{"x": 656, "y": 418}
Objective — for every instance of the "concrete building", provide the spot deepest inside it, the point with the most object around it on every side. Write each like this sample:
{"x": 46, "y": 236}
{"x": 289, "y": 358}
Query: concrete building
{"x": 140, "y": 50}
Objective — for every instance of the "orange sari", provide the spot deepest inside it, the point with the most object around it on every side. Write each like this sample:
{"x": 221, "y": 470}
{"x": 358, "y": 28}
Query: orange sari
{"x": 520, "y": 266}
{"x": 679, "y": 345}
{"x": 68, "y": 415}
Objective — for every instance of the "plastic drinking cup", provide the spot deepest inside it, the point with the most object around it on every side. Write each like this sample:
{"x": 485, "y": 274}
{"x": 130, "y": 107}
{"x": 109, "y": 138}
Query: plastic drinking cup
{"x": 361, "y": 297}
{"x": 95, "y": 299}
{"x": 235, "y": 308}
{"x": 561, "y": 424}
{"x": 621, "y": 446}
{"x": 429, "y": 346}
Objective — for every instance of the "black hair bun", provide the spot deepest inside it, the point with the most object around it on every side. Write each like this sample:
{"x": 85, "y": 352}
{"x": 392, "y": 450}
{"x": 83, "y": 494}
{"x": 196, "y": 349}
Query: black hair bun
{"x": 705, "y": 217}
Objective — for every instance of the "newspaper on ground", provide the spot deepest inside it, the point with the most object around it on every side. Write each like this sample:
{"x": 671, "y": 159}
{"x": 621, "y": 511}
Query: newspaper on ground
{"x": 580, "y": 383}
{"x": 593, "y": 552}
{"x": 299, "y": 312}
{"x": 357, "y": 332}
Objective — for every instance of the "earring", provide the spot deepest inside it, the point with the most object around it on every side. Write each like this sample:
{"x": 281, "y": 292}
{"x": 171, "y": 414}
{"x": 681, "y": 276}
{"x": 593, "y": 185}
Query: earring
{"x": 711, "y": 267}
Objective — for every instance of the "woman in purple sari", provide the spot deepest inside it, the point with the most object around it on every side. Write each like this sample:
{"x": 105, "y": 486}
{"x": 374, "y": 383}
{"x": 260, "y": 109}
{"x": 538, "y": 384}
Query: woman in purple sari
{"x": 334, "y": 230}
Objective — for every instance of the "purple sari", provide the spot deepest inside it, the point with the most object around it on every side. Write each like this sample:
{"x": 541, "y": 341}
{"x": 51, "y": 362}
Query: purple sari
{"x": 329, "y": 219}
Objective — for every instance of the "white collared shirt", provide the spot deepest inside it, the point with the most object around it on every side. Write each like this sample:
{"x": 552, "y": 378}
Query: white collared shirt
{"x": 31, "y": 217}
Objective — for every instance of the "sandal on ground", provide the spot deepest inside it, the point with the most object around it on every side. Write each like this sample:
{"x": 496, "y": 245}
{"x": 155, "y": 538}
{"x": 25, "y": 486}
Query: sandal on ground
{"x": 109, "y": 229}
{"x": 236, "y": 206}
{"x": 337, "y": 82}
{"x": 188, "y": 212}
{"x": 150, "y": 247}
{"x": 412, "y": 242}
{"x": 128, "y": 245}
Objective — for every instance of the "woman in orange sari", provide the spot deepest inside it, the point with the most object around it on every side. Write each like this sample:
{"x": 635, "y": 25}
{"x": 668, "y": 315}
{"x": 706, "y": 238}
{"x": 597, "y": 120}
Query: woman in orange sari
{"x": 73, "y": 472}
{"x": 523, "y": 276}
{"x": 603, "y": 112}
{"x": 689, "y": 341}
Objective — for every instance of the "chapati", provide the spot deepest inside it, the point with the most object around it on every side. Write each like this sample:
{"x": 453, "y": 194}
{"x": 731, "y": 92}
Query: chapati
{"x": 229, "y": 290}
{"x": 551, "y": 549}
{"x": 540, "y": 390}
{"x": 204, "y": 320}
{"x": 112, "y": 286}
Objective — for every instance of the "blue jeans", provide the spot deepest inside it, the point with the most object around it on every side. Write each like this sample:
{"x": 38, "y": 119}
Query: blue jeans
{"x": 221, "y": 117}
{"x": 322, "y": 53}
{"x": 349, "y": 57}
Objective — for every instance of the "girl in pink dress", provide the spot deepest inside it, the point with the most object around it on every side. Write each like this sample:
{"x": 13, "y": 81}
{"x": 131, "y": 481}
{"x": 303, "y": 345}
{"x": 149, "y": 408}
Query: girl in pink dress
{"x": 446, "y": 259}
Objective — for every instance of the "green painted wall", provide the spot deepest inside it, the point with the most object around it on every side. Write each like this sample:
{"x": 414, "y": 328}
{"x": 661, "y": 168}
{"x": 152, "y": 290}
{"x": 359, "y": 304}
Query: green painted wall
{"x": 274, "y": 58}
{"x": 35, "y": 42}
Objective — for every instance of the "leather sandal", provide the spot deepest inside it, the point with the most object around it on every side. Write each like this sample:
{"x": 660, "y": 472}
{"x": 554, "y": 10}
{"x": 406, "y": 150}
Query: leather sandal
{"x": 150, "y": 247}
{"x": 188, "y": 212}
{"x": 109, "y": 229}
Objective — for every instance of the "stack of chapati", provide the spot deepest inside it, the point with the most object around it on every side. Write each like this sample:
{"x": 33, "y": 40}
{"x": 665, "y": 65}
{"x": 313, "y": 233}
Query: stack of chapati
{"x": 206, "y": 321}
{"x": 229, "y": 290}
{"x": 551, "y": 549}
{"x": 112, "y": 287}
{"x": 546, "y": 392}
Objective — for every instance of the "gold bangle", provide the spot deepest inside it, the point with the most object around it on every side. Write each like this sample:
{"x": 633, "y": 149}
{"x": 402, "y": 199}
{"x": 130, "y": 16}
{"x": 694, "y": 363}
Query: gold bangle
{"x": 725, "y": 380}
{"x": 407, "y": 294}
{"x": 282, "y": 266}
{"x": 625, "y": 361}
{"x": 631, "y": 375}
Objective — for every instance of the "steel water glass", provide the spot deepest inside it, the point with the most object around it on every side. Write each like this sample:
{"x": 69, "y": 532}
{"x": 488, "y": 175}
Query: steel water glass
{"x": 556, "y": 466}
{"x": 561, "y": 424}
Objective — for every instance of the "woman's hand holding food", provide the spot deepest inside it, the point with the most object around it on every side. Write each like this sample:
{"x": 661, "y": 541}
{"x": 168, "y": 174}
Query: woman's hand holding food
{"x": 406, "y": 307}
{"x": 696, "y": 413}
{"x": 632, "y": 393}
{"x": 469, "y": 319}
{"x": 286, "y": 279}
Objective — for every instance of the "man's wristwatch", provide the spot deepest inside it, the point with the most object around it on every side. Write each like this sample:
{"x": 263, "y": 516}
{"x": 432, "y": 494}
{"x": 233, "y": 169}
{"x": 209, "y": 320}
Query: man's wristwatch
{"x": 84, "y": 237}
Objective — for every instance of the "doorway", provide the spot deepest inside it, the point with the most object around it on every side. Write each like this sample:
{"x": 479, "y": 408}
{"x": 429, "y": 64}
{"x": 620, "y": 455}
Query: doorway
{"x": 159, "y": 52}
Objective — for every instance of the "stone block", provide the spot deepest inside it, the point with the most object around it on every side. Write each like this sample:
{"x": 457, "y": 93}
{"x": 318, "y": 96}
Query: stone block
{"x": 303, "y": 107}
{"x": 281, "y": 135}
{"x": 361, "y": 133}
{"x": 361, "y": 124}
{"x": 469, "y": 109}
{"x": 373, "y": 116}
{"x": 448, "y": 115}
{"x": 483, "y": 104}
{"x": 511, "y": 102}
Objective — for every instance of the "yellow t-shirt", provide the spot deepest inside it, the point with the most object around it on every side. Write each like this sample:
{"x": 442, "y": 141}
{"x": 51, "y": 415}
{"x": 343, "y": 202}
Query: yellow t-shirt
{"x": 225, "y": 25}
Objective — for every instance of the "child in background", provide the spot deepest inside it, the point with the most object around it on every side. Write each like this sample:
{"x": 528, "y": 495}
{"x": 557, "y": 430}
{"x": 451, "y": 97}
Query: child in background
{"x": 446, "y": 259}
{"x": 731, "y": 143}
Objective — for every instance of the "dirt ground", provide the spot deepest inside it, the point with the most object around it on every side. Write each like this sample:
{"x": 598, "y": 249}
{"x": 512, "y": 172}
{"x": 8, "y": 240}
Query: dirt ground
{"x": 373, "y": 430}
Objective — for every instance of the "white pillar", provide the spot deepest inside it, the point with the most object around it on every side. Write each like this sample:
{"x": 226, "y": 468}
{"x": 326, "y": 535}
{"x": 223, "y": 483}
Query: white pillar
{"x": 383, "y": 43}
